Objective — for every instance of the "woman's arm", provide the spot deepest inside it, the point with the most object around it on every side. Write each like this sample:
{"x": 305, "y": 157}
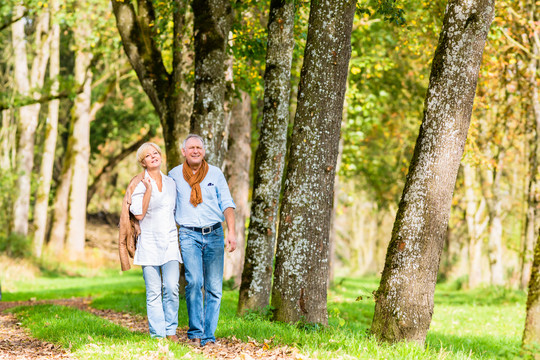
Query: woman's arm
{"x": 146, "y": 198}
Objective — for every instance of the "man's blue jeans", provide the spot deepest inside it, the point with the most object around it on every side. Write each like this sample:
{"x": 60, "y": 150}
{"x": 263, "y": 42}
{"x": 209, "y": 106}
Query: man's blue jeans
{"x": 162, "y": 315}
{"x": 203, "y": 262}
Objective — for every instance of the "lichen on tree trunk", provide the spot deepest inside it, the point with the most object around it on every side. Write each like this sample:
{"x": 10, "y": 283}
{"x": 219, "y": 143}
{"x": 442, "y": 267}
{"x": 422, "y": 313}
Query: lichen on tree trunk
{"x": 269, "y": 159}
{"x": 301, "y": 274}
{"x": 404, "y": 300}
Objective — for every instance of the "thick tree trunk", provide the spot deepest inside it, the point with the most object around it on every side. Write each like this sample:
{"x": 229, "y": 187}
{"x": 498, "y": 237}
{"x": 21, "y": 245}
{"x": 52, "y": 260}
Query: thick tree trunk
{"x": 531, "y": 334}
{"x": 404, "y": 300}
{"x": 168, "y": 92}
{"x": 237, "y": 165}
{"x": 269, "y": 160}
{"x": 212, "y": 23}
{"x": 28, "y": 115}
{"x": 51, "y": 131}
{"x": 301, "y": 274}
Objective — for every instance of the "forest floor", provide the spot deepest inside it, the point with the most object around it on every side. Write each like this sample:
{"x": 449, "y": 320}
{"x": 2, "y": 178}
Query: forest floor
{"x": 17, "y": 343}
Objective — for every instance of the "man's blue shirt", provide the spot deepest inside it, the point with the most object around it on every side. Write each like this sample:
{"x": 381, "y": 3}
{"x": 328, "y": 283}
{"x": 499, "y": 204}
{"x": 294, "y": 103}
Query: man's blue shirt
{"x": 215, "y": 194}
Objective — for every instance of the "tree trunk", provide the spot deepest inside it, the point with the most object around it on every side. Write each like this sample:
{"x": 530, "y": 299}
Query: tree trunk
{"x": 534, "y": 179}
{"x": 58, "y": 228}
{"x": 269, "y": 160}
{"x": 494, "y": 202}
{"x": 211, "y": 26}
{"x": 168, "y": 92}
{"x": 76, "y": 224}
{"x": 301, "y": 274}
{"x": 404, "y": 300}
{"x": 531, "y": 334}
{"x": 27, "y": 85}
{"x": 8, "y": 136}
{"x": 51, "y": 131}
{"x": 237, "y": 165}
{"x": 475, "y": 226}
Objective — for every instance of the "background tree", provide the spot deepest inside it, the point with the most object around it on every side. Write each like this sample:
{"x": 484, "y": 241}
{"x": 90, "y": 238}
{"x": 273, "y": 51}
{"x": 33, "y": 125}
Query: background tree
{"x": 404, "y": 300}
{"x": 301, "y": 273}
{"x": 269, "y": 159}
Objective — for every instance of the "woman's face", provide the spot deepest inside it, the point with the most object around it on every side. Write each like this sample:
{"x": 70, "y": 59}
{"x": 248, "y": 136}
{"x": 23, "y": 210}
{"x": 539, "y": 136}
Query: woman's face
{"x": 152, "y": 158}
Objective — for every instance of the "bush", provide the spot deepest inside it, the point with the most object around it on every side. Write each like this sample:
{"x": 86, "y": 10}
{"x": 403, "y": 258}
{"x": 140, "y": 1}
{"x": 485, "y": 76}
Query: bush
{"x": 16, "y": 245}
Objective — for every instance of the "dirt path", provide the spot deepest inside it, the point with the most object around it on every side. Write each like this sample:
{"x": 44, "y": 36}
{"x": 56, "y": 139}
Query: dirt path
{"x": 15, "y": 342}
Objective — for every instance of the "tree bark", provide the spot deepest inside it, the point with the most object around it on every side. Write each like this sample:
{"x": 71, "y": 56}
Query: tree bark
{"x": 27, "y": 85}
{"x": 237, "y": 165}
{"x": 81, "y": 111}
{"x": 531, "y": 333}
{"x": 404, "y": 300}
{"x": 301, "y": 274}
{"x": 534, "y": 179}
{"x": 211, "y": 26}
{"x": 168, "y": 92}
{"x": 475, "y": 226}
{"x": 51, "y": 131}
{"x": 269, "y": 160}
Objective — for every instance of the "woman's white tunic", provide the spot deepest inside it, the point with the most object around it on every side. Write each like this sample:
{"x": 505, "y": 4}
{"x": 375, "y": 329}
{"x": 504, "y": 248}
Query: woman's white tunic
{"x": 158, "y": 242}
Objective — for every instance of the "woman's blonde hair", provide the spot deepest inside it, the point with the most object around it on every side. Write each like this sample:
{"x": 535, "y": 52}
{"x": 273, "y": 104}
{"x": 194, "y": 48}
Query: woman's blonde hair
{"x": 142, "y": 151}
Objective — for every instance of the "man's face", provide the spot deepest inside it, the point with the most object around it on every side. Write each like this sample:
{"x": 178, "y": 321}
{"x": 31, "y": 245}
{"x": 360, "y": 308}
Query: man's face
{"x": 194, "y": 152}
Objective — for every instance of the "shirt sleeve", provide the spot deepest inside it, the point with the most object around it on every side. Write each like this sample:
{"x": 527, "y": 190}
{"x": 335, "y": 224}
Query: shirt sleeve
{"x": 137, "y": 198}
{"x": 225, "y": 199}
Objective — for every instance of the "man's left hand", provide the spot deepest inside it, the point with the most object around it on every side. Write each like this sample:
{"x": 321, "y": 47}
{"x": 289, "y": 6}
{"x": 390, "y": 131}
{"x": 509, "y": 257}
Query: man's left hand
{"x": 230, "y": 242}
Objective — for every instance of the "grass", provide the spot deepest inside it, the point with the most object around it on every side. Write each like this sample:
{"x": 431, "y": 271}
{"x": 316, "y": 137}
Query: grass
{"x": 481, "y": 324}
{"x": 90, "y": 337}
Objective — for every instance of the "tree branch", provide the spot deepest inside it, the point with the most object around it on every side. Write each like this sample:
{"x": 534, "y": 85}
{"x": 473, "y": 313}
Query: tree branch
{"x": 111, "y": 164}
{"x": 8, "y": 23}
{"x": 141, "y": 49}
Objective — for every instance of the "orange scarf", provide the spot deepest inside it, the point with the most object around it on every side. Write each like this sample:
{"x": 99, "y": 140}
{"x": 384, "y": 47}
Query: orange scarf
{"x": 194, "y": 180}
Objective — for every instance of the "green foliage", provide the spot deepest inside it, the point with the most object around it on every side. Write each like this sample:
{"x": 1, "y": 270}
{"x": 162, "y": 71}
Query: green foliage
{"x": 16, "y": 245}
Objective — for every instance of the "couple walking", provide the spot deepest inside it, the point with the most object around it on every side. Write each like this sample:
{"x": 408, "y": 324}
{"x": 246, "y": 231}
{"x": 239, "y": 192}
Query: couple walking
{"x": 195, "y": 196}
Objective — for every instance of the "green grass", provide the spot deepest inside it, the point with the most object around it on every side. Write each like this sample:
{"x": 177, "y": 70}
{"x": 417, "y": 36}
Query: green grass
{"x": 90, "y": 337}
{"x": 481, "y": 324}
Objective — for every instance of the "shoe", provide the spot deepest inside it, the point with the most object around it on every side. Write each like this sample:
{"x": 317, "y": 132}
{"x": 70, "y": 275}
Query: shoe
{"x": 210, "y": 344}
{"x": 195, "y": 341}
{"x": 173, "y": 338}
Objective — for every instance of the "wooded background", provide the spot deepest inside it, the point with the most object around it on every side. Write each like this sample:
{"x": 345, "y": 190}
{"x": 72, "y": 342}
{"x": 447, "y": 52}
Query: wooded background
{"x": 313, "y": 111}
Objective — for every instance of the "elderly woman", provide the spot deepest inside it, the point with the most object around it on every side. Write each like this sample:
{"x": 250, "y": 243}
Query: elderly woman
{"x": 152, "y": 203}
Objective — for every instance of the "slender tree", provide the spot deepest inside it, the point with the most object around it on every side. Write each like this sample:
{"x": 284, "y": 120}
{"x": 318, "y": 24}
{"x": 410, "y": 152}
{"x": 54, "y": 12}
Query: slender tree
{"x": 28, "y": 84}
{"x": 51, "y": 132}
{"x": 404, "y": 300}
{"x": 269, "y": 159}
{"x": 301, "y": 274}
{"x": 237, "y": 165}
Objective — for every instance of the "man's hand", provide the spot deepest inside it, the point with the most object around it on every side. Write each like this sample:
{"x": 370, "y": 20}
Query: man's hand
{"x": 230, "y": 242}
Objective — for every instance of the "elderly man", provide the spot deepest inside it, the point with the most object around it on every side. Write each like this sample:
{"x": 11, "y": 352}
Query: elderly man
{"x": 203, "y": 201}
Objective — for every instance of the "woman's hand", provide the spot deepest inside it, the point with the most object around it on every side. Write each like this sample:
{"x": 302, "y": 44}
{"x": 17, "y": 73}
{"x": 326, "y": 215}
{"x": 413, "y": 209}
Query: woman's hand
{"x": 147, "y": 184}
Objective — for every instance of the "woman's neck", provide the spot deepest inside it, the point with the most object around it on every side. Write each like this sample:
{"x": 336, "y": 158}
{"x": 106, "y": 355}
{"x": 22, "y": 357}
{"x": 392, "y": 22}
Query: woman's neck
{"x": 154, "y": 173}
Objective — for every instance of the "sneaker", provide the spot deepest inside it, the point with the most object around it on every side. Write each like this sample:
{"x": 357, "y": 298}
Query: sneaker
{"x": 195, "y": 341}
{"x": 173, "y": 338}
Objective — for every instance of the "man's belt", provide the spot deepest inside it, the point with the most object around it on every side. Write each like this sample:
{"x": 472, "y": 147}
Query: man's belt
{"x": 204, "y": 230}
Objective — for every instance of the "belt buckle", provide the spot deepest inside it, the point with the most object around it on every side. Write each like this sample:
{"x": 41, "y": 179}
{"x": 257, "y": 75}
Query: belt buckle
{"x": 209, "y": 228}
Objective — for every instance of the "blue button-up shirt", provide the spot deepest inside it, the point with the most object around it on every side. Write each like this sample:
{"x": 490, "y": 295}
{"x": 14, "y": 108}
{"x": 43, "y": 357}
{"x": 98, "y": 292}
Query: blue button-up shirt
{"x": 215, "y": 194}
